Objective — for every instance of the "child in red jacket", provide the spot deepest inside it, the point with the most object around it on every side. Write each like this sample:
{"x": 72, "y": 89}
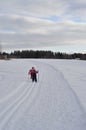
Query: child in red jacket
{"x": 33, "y": 73}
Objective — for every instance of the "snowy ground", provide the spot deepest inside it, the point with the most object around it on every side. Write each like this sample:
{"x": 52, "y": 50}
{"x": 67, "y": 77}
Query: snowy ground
{"x": 55, "y": 102}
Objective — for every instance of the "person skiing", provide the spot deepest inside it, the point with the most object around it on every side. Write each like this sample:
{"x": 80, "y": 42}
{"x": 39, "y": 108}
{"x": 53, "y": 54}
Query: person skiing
{"x": 33, "y": 73}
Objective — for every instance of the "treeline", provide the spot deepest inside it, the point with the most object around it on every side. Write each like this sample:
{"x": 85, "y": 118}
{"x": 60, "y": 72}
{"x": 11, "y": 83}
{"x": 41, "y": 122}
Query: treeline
{"x": 43, "y": 54}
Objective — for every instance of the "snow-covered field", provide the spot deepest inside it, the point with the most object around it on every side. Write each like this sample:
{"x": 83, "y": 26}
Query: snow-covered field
{"x": 56, "y": 102}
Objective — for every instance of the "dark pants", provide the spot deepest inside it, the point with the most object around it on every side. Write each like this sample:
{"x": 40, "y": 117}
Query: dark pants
{"x": 34, "y": 77}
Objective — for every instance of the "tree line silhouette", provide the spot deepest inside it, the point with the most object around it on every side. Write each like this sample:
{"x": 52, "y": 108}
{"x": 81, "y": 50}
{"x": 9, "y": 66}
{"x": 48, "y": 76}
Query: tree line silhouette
{"x": 42, "y": 54}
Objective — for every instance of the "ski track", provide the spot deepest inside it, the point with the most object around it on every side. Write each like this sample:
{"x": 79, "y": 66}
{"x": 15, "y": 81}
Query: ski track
{"x": 28, "y": 101}
{"x": 55, "y": 110}
{"x": 12, "y": 108}
{"x": 66, "y": 82}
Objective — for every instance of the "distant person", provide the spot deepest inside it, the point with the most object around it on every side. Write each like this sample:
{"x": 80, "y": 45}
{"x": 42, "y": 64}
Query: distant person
{"x": 33, "y": 74}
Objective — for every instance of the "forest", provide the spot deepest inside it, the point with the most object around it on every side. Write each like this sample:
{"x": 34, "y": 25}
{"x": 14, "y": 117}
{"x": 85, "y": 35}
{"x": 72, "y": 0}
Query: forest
{"x": 41, "y": 54}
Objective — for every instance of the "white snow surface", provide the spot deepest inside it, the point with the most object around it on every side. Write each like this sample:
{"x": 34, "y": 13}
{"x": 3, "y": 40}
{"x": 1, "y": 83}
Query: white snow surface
{"x": 56, "y": 102}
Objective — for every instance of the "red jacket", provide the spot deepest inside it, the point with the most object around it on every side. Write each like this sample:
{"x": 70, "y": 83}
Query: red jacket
{"x": 32, "y": 71}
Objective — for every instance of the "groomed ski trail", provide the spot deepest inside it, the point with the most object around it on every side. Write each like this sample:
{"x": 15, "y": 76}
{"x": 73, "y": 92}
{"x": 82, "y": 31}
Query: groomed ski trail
{"x": 48, "y": 104}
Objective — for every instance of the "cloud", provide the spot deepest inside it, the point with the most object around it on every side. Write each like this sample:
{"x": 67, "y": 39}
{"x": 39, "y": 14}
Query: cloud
{"x": 41, "y": 23}
{"x": 44, "y": 7}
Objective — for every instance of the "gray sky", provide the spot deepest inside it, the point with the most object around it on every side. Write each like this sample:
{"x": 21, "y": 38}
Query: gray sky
{"x": 55, "y": 25}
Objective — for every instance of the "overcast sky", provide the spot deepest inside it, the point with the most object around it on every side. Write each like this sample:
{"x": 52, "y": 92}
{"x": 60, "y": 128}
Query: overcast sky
{"x": 57, "y": 25}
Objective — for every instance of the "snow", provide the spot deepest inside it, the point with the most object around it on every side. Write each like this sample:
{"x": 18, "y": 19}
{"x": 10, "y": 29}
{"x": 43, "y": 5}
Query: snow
{"x": 55, "y": 102}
